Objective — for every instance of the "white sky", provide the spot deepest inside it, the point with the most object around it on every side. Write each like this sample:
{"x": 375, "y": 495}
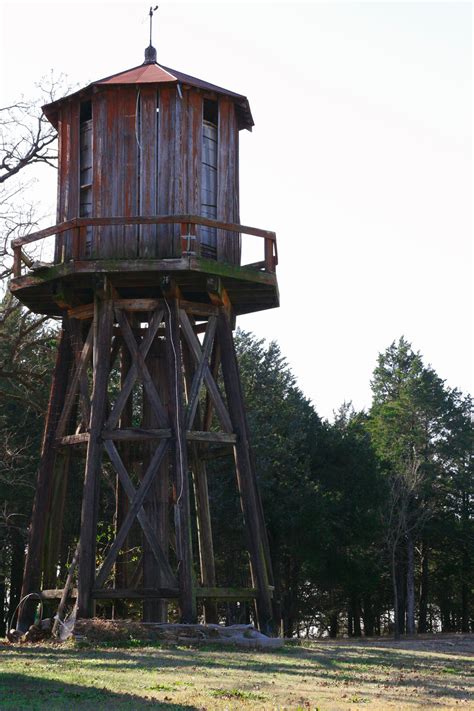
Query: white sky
{"x": 360, "y": 159}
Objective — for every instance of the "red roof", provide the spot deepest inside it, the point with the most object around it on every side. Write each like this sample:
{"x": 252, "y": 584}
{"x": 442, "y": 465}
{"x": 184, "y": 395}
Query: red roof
{"x": 153, "y": 73}
{"x": 144, "y": 74}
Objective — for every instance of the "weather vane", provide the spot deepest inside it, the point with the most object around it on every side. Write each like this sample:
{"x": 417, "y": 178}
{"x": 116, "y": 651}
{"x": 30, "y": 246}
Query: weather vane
{"x": 151, "y": 13}
{"x": 150, "y": 51}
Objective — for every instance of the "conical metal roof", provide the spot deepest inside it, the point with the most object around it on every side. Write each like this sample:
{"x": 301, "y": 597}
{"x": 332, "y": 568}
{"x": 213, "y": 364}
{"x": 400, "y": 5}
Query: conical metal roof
{"x": 154, "y": 73}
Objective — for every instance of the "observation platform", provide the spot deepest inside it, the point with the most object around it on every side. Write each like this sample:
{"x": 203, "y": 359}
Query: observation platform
{"x": 69, "y": 284}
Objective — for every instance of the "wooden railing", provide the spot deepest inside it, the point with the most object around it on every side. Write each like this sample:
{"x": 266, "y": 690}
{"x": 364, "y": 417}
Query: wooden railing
{"x": 187, "y": 230}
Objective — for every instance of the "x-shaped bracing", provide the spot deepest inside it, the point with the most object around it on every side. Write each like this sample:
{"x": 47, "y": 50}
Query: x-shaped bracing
{"x": 138, "y": 368}
{"x": 136, "y": 510}
{"x": 203, "y": 372}
{"x": 82, "y": 358}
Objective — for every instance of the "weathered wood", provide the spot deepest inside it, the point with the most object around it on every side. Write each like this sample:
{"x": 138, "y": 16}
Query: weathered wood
{"x": 254, "y": 265}
{"x": 227, "y": 593}
{"x": 36, "y": 534}
{"x": 214, "y": 368}
{"x": 182, "y": 514}
{"x": 169, "y": 593}
{"x": 54, "y": 530}
{"x": 228, "y": 250}
{"x": 156, "y": 504}
{"x": 68, "y": 440}
{"x": 138, "y": 304}
{"x": 57, "y": 593}
{"x": 197, "y": 309}
{"x": 211, "y": 437}
{"x": 136, "y": 434}
{"x": 148, "y": 168}
{"x": 77, "y": 344}
{"x": 245, "y": 476}
{"x": 16, "y": 261}
{"x": 73, "y": 384}
{"x": 214, "y": 392}
{"x": 269, "y": 255}
{"x": 166, "y": 232}
{"x": 121, "y": 570}
{"x": 135, "y": 510}
{"x": 67, "y": 590}
{"x": 201, "y": 498}
{"x": 142, "y": 220}
{"x": 83, "y": 312}
{"x": 140, "y": 364}
{"x": 193, "y": 398}
{"x": 102, "y": 324}
{"x": 133, "y": 371}
{"x": 26, "y": 259}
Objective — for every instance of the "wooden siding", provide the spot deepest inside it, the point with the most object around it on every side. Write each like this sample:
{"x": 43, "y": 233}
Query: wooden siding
{"x": 167, "y": 234}
{"x": 115, "y": 171}
{"x": 228, "y": 248}
{"x": 148, "y": 173}
{"x": 162, "y": 176}
{"x": 68, "y": 180}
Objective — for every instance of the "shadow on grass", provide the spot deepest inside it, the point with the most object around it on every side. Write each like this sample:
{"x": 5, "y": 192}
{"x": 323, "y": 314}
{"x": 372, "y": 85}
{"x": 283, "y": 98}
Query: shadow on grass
{"x": 436, "y": 675}
{"x": 21, "y": 691}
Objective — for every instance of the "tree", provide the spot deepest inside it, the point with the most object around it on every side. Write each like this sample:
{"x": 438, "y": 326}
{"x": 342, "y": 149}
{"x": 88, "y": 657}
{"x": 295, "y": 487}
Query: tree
{"x": 412, "y": 421}
{"x": 27, "y": 139}
{"x": 27, "y": 350}
{"x": 27, "y": 343}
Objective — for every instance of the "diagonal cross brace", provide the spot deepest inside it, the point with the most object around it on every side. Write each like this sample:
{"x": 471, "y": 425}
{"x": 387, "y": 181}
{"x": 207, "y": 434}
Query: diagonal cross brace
{"x": 214, "y": 392}
{"x": 132, "y": 374}
{"x": 76, "y": 341}
{"x": 81, "y": 364}
{"x": 137, "y": 497}
{"x": 193, "y": 399}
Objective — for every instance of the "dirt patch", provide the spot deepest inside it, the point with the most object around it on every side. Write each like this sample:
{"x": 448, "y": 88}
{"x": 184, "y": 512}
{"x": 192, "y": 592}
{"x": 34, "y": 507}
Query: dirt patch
{"x": 99, "y": 631}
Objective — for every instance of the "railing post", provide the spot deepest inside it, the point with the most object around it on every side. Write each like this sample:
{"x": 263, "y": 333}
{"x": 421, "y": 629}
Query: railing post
{"x": 188, "y": 238}
{"x": 76, "y": 235}
{"x": 269, "y": 255}
{"x": 17, "y": 261}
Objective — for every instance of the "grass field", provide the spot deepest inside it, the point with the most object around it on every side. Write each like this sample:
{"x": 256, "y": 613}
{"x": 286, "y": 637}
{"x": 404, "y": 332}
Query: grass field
{"x": 430, "y": 673}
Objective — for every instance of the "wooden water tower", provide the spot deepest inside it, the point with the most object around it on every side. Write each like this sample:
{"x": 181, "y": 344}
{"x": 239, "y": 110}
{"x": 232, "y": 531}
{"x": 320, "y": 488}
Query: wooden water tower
{"x": 147, "y": 279}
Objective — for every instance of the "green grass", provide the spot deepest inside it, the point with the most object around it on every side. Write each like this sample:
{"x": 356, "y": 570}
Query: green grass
{"x": 319, "y": 675}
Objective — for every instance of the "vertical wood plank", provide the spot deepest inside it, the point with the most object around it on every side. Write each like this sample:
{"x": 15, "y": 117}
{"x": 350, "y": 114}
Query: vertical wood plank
{"x": 227, "y": 243}
{"x": 182, "y": 514}
{"x": 201, "y": 497}
{"x": 129, "y": 187}
{"x": 103, "y": 321}
{"x": 193, "y": 152}
{"x": 156, "y": 505}
{"x": 166, "y": 170}
{"x": 99, "y": 200}
{"x": 148, "y": 169}
{"x": 58, "y": 245}
{"x": 180, "y": 161}
{"x": 68, "y": 193}
{"x": 121, "y": 499}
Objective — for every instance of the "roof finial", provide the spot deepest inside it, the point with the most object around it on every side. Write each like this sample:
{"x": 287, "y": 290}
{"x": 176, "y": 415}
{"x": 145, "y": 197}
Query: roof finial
{"x": 150, "y": 51}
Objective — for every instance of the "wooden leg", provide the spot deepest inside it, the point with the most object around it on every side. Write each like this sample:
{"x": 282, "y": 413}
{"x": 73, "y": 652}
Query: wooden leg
{"x": 180, "y": 465}
{"x": 245, "y": 475}
{"x": 103, "y": 321}
{"x": 157, "y": 503}
{"x": 201, "y": 497}
{"x": 204, "y": 530}
{"x": 32, "y": 572}
{"x": 121, "y": 499}
{"x": 54, "y": 531}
